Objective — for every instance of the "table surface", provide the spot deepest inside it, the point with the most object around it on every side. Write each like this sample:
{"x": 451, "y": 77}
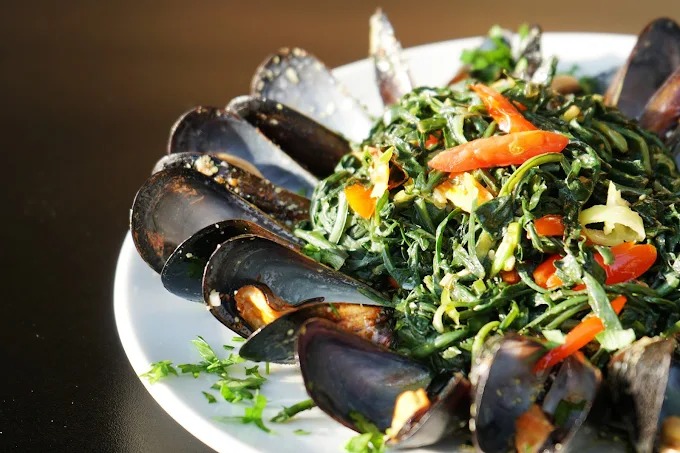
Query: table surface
{"x": 89, "y": 91}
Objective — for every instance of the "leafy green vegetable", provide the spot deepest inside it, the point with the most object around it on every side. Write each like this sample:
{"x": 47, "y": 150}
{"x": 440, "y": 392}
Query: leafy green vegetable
{"x": 291, "y": 411}
{"x": 159, "y": 370}
{"x": 370, "y": 441}
{"x": 253, "y": 414}
{"x": 446, "y": 269}
{"x": 210, "y": 397}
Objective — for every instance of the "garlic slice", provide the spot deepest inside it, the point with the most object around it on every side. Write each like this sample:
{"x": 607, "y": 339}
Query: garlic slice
{"x": 621, "y": 223}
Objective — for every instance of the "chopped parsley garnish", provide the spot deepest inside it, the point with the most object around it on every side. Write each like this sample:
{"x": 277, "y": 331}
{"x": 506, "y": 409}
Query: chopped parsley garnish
{"x": 211, "y": 399}
{"x": 159, "y": 370}
{"x": 291, "y": 411}
{"x": 370, "y": 441}
{"x": 252, "y": 414}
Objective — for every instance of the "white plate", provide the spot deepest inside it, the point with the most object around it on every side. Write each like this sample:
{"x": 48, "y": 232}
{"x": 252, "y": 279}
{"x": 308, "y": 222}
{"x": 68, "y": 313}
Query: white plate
{"x": 154, "y": 325}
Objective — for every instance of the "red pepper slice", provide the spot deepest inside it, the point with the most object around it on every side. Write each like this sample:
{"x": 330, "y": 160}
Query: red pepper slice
{"x": 549, "y": 225}
{"x": 630, "y": 261}
{"x": 577, "y": 338}
{"x": 502, "y": 110}
{"x": 498, "y": 151}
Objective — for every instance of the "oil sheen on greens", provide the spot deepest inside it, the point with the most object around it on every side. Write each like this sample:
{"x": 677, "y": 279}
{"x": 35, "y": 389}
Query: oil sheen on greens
{"x": 437, "y": 262}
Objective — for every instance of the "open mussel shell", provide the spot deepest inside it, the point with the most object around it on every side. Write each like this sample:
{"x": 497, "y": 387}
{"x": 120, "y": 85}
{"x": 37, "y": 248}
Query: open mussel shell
{"x": 662, "y": 112}
{"x": 639, "y": 383}
{"x": 290, "y": 276}
{"x": 174, "y": 204}
{"x": 315, "y": 147}
{"x": 377, "y": 378}
{"x": 275, "y": 342}
{"x": 282, "y": 205}
{"x": 526, "y": 50}
{"x": 653, "y": 59}
{"x": 506, "y": 387}
{"x": 213, "y": 130}
{"x": 448, "y": 413}
{"x": 299, "y": 80}
{"x": 347, "y": 377}
{"x": 182, "y": 274}
{"x": 391, "y": 71}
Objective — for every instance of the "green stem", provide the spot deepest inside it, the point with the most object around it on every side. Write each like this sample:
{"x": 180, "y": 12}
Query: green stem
{"x": 517, "y": 176}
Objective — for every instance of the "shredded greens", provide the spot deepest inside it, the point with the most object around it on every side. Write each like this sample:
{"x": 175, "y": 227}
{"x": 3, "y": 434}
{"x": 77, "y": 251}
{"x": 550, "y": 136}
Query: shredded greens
{"x": 444, "y": 264}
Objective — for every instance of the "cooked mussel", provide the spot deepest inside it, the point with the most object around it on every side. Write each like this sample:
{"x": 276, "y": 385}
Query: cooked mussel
{"x": 275, "y": 342}
{"x": 645, "y": 386}
{"x": 282, "y": 205}
{"x": 654, "y": 58}
{"x": 312, "y": 145}
{"x": 213, "y": 130}
{"x": 381, "y": 387}
{"x": 287, "y": 277}
{"x": 662, "y": 112}
{"x": 516, "y": 407}
{"x": 391, "y": 72}
{"x": 299, "y": 80}
{"x": 174, "y": 204}
{"x": 182, "y": 274}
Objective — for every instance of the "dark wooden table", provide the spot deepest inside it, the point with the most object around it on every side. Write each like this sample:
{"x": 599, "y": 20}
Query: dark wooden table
{"x": 88, "y": 93}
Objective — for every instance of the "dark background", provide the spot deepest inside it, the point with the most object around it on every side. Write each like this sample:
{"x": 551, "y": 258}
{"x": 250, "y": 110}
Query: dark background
{"x": 88, "y": 91}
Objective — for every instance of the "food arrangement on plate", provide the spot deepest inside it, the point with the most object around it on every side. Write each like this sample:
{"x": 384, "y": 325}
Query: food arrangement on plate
{"x": 494, "y": 260}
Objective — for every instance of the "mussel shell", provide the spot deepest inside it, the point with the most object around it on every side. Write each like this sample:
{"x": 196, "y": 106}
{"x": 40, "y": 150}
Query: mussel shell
{"x": 213, "y": 130}
{"x": 638, "y": 378}
{"x": 276, "y": 341}
{"x": 344, "y": 374}
{"x": 527, "y": 47}
{"x": 655, "y": 57}
{"x": 662, "y": 112}
{"x": 312, "y": 145}
{"x": 291, "y": 276}
{"x": 505, "y": 386}
{"x": 174, "y": 204}
{"x": 577, "y": 381}
{"x": 449, "y": 411}
{"x": 282, "y": 205}
{"x": 299, "y": 80}
{"x": 391, "y": 72}
{"x": 182, "y": 274}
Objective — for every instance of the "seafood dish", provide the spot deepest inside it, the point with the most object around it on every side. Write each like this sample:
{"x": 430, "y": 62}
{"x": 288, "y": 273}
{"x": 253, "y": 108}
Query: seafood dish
{"x": 496, "y": 260}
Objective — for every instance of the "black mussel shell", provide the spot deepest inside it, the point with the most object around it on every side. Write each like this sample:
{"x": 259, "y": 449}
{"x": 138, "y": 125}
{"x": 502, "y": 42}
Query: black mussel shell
{"x": 312, "y": 145}
{"x": 449, "y": 411}
{"x": 276, "y": 341}
{"x": 213, "y": 130}
{"x": 299, "y": 80}
{"x": 391, "y": 72}
{"x": 662, "y": 112}
{"x": 506, "y": 386}
{"x": 182, "y": 274}
{"x": 346, "y": 375}
{"x": 290, "y": 275}
{"x": 282, "y": 205}
{"x": 526, "y": 50}
{"x": 174, "y": 204}
{"x": 638, "y": 378}
{"x": 655, "y": 57}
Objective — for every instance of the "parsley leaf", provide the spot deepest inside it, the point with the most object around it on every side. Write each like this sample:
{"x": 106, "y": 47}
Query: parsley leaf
{"x": 291, "y": 411}
{"x": 211, "y": 399}
{"x": 252, "y": 414}
{"x": 159, "y": 370}
{"x": 371, "y": 441}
